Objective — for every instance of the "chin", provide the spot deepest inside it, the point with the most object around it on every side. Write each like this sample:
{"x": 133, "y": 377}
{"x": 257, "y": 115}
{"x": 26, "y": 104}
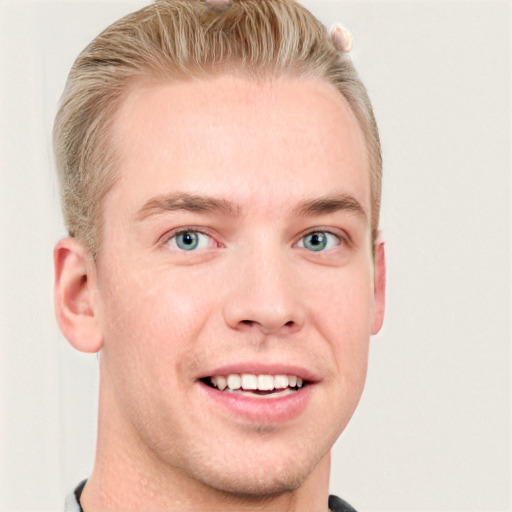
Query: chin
{"x": 255, "y": 487}
{"x": 255, "y": 478}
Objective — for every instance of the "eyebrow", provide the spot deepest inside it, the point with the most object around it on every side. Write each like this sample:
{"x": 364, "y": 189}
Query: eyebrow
{"x": 187, "y": 202}
{"x": 182, "y": 201}
{"x": 331, "y": 204}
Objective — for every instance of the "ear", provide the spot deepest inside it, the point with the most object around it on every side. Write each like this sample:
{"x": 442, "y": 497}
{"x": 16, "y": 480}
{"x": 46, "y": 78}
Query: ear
{"x": 74, "y": 295}
{"x": 379, "y": 301}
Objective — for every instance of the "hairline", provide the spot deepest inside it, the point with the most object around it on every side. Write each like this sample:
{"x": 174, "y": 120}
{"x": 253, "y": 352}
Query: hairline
{"x": 170, "y": 41}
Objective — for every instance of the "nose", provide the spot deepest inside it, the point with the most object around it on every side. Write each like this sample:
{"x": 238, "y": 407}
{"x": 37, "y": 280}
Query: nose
{"x": 264, "y": 295}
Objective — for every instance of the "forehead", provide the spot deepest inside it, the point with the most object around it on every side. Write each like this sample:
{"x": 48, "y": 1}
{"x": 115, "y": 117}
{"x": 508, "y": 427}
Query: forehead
{"x": 235, "y": 136}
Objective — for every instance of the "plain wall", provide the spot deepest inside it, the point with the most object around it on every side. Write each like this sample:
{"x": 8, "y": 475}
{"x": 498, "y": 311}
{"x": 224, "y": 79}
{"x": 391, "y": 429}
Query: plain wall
{"x": 433, "y": 430}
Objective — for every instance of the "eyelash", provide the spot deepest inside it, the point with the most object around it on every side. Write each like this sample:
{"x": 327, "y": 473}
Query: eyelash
{"x": 319, "y": 231}
{"x": 183, "y": 230}
{"x": 341, "y": 239}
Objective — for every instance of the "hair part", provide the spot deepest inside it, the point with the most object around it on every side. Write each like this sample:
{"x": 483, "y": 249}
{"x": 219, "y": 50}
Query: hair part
{"x": 182, "y": 40}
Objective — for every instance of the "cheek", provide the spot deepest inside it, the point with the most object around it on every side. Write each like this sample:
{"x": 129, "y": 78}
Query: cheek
{"x": 150, "y": 325}
{"x": 343, "y": 316}
{"x": 152, "y": 312}
{"x": 343, "y": 303}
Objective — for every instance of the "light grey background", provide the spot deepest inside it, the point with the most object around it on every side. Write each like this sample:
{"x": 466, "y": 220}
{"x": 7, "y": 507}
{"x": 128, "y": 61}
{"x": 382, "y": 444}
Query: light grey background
{"x": 433, "y": 430}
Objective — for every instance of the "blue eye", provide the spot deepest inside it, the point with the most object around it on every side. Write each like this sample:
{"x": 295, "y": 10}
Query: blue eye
{"x": 190, "y": 240}
{"x": 319, "y": 241}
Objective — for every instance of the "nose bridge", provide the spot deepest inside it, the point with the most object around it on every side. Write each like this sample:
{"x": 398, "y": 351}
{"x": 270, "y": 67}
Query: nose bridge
{"x": 263, "y": 292}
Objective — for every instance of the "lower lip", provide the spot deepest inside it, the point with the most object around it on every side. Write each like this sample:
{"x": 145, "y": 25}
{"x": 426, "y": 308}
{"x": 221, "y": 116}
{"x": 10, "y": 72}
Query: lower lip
{"x": 261, "y": 410}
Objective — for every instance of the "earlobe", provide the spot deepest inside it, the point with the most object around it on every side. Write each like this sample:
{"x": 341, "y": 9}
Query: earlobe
{"x": 74, "y": 297}
{"x": 379, "y": 285}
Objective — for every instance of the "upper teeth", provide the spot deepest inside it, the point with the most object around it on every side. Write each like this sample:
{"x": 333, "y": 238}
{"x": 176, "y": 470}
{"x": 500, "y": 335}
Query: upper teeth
{"x": 249, "y": 381}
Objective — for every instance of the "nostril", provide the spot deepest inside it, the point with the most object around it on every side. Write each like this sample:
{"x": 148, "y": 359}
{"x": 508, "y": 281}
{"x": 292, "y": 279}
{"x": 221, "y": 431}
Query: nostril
{"x": 259, "y": 328}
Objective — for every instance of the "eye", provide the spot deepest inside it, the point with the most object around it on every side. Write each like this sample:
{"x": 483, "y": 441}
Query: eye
{"x": 319, "y": 241}
{"x": 190, "y": 240}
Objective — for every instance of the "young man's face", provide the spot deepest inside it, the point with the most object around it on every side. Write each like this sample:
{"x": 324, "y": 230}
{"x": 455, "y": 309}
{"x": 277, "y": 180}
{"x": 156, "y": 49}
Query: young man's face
{"x": 236, "y": 242}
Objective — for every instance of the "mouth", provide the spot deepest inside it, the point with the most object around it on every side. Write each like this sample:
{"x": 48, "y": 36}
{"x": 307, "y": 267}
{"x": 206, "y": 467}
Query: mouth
{"x": 258, "y": 392}
{"x": 256, "y": 385}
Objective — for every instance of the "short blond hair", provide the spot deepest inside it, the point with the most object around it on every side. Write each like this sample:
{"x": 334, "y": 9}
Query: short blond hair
{"x": 180, "y": 40}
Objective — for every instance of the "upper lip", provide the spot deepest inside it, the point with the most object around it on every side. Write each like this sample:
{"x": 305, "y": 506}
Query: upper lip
{"x": 259, "y": 368}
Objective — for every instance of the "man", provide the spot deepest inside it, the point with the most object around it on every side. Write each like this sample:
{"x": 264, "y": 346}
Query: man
{"x": 221, "y": 176}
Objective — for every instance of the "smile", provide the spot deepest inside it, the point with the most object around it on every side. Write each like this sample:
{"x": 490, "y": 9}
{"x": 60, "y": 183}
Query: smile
{"x": 256, "y": 385}
{"x": 259, "y": 392}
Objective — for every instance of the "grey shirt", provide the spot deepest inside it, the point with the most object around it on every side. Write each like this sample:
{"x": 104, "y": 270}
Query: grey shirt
{"x": 72, "y": 503}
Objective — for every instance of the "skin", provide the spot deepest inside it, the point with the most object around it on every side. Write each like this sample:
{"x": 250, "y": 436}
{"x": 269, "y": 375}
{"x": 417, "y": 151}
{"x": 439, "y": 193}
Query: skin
{"x": 253, "y": 291}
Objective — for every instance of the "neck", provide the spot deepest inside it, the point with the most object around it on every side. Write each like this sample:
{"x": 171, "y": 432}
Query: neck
{"x": 129, "y": 476}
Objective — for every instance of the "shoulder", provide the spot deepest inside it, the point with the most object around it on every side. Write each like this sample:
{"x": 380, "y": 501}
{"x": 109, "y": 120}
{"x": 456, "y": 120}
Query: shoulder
{"x": 338, "y": 505}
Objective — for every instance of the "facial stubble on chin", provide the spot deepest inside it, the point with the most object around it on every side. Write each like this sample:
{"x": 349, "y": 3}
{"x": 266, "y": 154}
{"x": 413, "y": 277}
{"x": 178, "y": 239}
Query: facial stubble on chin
{"x": 257, "y": 491}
